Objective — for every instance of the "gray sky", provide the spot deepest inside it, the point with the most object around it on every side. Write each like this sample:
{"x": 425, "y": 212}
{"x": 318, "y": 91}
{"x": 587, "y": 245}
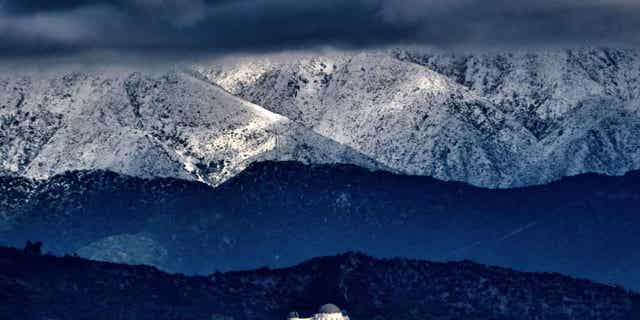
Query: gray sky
{"x": 44, "y": 28}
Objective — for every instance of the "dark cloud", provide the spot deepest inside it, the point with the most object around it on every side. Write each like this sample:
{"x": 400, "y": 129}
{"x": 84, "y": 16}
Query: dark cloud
{"x": 45, "y": 27}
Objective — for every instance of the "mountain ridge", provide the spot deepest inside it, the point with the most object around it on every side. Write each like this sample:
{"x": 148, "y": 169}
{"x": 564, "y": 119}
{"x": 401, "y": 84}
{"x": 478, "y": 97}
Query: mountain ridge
{"x": 254, "y": 218}
{"x": 367, "y": 287}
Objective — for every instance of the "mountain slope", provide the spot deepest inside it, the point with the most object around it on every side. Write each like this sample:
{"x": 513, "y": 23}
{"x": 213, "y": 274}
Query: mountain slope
{"x": 503, "y": 119}
{"x": 145, "y": 124}
{"x": 278, "y": 213}
{"x": 598, "y": 137}
{"x": 72, "y": 288}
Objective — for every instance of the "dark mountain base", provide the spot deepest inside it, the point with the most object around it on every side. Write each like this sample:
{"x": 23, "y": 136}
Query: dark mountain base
{"x": 278, "y": 214}
{"x": 47, "y": 287}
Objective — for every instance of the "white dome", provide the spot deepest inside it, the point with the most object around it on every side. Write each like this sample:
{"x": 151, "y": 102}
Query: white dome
{"x": 329, "y": 308}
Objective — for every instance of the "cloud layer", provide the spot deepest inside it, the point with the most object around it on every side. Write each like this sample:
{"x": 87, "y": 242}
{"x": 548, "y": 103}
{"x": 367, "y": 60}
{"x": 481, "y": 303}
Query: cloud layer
{"x": 181, "y": 27}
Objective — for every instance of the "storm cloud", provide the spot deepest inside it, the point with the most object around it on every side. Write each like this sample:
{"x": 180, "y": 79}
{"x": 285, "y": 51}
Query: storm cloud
{"x": 182, "y": 27}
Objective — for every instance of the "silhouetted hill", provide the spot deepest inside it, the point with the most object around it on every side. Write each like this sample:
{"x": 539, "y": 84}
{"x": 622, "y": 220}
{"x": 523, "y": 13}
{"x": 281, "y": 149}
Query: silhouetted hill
{"x": 47, "y": 287}
{"x": 277, "y": 214}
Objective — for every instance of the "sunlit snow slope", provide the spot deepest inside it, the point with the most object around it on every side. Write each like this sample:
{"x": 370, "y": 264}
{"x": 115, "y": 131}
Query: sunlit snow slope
{"x": 492, "y": 119}
{"x": 170, "y": 124}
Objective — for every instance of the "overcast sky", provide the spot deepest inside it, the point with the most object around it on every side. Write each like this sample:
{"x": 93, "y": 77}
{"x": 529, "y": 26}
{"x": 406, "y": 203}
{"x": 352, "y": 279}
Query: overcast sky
{"x": 45, "y": 28}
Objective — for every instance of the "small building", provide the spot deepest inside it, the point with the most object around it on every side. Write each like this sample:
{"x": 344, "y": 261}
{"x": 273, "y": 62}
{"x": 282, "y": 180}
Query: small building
{"x": 326, "y": 312}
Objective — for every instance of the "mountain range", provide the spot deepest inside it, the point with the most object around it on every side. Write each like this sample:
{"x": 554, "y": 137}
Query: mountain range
{"x": 523, "y": 159}
{"x": 493, "y": 119}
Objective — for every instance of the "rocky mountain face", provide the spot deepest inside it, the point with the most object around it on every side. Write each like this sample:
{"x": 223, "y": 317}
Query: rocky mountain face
{"x": 491, "y": 119}
{"x": 145, "y": 124}
{"x": 47, "y": 287}
{"x": 280, "y": 213}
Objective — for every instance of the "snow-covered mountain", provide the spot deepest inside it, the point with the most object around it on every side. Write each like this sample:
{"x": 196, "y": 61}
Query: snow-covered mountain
{"x": 582, "y": 105}
{"x": 170, "y": 124}
{"x": 408, "y": 117}
{"x": 491, "y": 119}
